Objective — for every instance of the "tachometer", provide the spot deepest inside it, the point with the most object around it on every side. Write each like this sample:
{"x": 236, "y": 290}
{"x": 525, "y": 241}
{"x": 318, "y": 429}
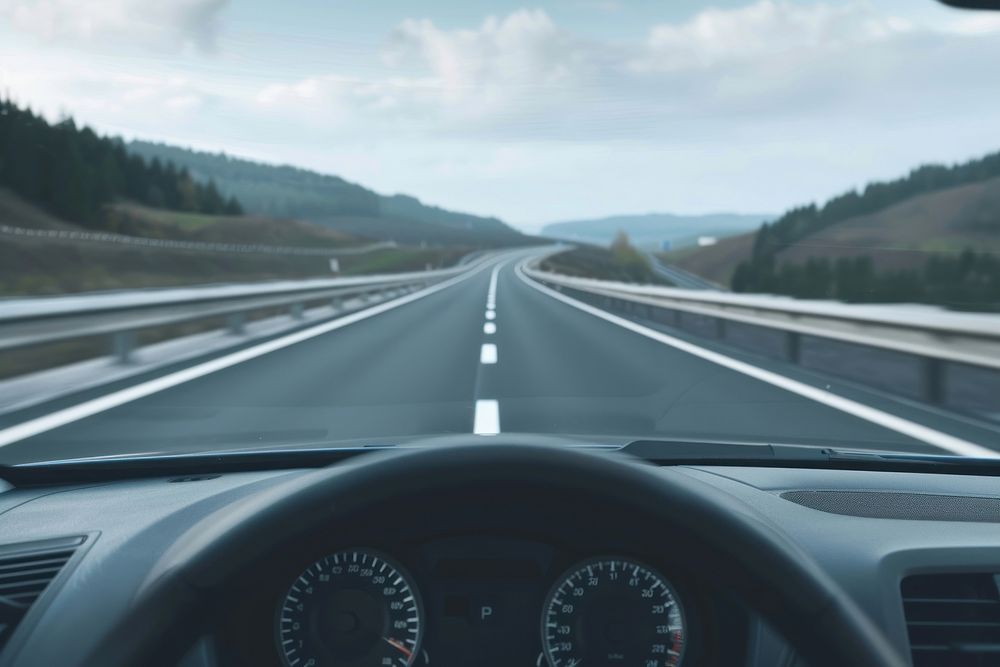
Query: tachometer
{"x": 613, "y": 611}
{"x": 354, "y": 608}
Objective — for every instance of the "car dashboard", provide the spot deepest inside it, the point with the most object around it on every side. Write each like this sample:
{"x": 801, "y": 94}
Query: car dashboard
{"x": 918, "y": 552}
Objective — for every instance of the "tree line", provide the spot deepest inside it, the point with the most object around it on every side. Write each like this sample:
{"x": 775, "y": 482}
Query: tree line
{"x": 967, "y": 281}
{"x": 73, "y": 173}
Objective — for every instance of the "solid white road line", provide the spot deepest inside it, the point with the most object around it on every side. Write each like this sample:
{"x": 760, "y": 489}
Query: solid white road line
{"x": 886, "y": 420}
{"x": 489, "y": 328}
{"x": 490, "y": 315}
{"x": 487, "y": 420}
{"x": 488, "y": 354}
{"x": 491, "y": 293}
{"x": 94, "y": 406}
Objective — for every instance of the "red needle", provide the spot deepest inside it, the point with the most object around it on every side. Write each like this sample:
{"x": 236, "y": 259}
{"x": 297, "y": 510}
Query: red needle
{"x": 398, "y": 645}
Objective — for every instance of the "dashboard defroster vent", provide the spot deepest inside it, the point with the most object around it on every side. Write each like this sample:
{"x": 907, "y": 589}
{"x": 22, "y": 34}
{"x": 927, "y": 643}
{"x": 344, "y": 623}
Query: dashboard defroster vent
{"x": 953, "y": 620}
{"x": 26, "y": 569}
{"x": 900, "y": 505}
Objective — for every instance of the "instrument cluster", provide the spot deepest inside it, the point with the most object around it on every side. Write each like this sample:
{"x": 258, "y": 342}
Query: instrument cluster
{"x": 482, "y": 601}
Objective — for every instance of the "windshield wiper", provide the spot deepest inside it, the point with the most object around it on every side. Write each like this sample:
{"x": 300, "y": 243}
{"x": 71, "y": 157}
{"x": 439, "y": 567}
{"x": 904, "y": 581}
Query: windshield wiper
{"x": 695, "y": 452}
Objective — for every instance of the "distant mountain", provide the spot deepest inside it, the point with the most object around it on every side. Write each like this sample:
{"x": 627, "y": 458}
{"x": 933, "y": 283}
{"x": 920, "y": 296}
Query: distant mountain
{"x": 283, "y": 191}
{"x": 654, "y": 228}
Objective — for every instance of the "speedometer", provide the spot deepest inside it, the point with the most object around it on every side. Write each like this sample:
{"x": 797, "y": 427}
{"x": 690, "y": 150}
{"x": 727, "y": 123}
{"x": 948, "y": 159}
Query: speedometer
{"x": 353, "y": 608}
{"x": 613, "y": 611}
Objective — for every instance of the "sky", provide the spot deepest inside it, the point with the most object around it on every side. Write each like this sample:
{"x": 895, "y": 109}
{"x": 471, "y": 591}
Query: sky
{"x": 533, "y": 112}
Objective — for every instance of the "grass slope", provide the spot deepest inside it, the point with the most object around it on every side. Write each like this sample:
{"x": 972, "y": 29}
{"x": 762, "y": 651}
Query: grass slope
{"x": 137, "y": 220}
{"x": 716, "y": 262}
{"x": 32, "y": 266}
{"x": 906, "y": 234}
{"x": 16, "y": 212}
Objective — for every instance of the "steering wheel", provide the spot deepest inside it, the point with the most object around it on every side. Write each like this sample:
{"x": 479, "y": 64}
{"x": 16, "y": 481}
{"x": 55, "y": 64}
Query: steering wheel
{"x": 669, "y": 510}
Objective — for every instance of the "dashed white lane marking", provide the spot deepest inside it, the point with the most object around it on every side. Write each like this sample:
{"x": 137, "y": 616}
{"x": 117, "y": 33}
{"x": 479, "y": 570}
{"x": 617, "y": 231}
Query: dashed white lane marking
{"x": 487, "y": 417}
{"x": 100, "y": 404}
{"x": 488, "y": 354}
{"x": 859, "y": 410}
{"x": 487, "y": 420}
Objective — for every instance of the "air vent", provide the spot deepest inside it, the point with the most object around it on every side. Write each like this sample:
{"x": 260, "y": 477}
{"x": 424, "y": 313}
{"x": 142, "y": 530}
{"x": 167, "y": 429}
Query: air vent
{"x": 900, "y": 505}
{"x": 953, "y": 619}
{"x": 26, "y": 569}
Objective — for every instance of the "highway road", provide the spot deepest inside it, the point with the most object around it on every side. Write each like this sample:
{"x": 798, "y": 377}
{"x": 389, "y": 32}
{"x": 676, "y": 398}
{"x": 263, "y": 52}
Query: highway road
{"x": 489, "y": 353}
{"x": 678, "y": 277}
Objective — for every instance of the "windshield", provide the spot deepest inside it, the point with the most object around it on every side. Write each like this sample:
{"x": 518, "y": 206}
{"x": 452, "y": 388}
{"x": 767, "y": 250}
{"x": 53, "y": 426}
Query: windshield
{"x": 239, "y": 225}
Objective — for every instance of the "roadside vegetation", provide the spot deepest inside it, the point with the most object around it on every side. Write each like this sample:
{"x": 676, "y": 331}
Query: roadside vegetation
{"x": 134, "y": 219}
{"x": 968, "y": 281}
{"x": 621, "y": 262}
{"x": 30, "y": 267}
{"x": 73, "y": 173}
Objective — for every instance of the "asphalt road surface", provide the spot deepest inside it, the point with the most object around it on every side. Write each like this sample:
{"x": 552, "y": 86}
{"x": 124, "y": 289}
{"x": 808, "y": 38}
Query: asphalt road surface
{"x": 678, "y": 277}
{"x": 450, "y": 363}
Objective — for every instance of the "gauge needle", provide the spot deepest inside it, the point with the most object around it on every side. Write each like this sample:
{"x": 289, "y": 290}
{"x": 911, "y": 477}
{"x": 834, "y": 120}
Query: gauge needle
{"x": 398, "y": 645}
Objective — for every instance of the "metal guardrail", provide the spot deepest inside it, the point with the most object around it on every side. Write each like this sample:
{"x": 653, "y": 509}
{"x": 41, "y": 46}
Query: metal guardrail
{"x": 921, "y": 352}
{"x": 120, "y": 315}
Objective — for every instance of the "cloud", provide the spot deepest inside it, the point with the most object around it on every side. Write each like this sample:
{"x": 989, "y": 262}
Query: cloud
{"x": 523, "y": 77}
{"x": 510, "y": 71}
{"x": 522, "y": 48}
{"x": 974, "y": 23}
{"x": 114, "y": 98}
{"x": 753, "y": 107}
{"x": 765, "y": 28}
{"x": 158, "y": 24}
{"x": 506, "y": 68}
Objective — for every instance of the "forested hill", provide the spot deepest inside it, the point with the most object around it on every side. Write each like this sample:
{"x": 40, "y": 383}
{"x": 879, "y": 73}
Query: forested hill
{"x": 929, "y": 237}
{"x": 801, "y": 222}
{"x": 72, "y": 172}
{"x": 290, "y": 192}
